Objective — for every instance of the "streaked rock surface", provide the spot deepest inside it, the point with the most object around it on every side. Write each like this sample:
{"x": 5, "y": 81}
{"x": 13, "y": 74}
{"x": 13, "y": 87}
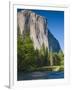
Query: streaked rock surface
{"x": 37, "y": 26}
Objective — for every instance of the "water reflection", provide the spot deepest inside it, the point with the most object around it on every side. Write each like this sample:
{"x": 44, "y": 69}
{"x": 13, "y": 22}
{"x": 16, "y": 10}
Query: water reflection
{"x": 40, "y": 75}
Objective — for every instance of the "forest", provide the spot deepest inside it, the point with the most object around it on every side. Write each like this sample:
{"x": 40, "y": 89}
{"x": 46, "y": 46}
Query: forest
{"x": 29, "y": 59}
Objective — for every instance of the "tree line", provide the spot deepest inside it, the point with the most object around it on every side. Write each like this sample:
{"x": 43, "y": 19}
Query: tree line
{"x": 28, "y": 58}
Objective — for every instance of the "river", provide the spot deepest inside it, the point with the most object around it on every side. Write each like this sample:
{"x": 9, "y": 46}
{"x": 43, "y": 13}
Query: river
{"x": 40, "y": 75}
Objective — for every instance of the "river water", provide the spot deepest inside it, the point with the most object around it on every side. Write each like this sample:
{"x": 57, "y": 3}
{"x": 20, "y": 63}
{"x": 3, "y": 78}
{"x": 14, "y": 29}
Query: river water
{"x": 40, "y": 75}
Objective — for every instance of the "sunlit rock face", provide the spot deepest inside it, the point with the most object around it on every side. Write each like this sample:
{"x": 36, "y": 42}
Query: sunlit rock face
{"x": 37, "y": 27}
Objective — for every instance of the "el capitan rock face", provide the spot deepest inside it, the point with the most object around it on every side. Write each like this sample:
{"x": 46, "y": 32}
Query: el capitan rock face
{"x": 53, "y": 43}
{"x": 37, "y": 27}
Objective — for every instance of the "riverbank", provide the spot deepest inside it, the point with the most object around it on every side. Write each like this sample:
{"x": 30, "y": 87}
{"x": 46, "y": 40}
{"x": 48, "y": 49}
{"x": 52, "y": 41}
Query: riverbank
{"x": 50, "y": 68}
{"x": 45, "y": 68}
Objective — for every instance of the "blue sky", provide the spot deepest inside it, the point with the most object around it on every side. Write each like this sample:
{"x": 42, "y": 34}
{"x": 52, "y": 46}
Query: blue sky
{"x": 55, "y": 23}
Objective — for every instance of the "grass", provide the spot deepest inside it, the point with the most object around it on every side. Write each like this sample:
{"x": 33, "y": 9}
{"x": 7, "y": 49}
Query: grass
{"x": 50, "y": 68}
{"x": 46, "y": 68}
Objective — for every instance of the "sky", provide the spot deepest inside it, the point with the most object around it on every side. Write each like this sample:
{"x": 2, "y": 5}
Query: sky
{"x": 55, "y": 21}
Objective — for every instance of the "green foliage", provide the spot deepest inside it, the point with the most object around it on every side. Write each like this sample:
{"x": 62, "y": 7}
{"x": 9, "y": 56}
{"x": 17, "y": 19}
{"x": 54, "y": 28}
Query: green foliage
{"x": 26, "y": 53}
{"x": 58, "y": 58}
{"x": 29, "y": 59}
{"x": 43, "y": 54}
{"x": 61, "y": 56}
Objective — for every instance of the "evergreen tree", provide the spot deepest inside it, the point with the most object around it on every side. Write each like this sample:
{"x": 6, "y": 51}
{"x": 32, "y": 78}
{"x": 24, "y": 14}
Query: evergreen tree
{"x": 26, "y": 53}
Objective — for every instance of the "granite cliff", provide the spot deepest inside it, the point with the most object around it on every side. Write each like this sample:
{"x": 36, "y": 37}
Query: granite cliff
{"x": 37, "y": 27}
